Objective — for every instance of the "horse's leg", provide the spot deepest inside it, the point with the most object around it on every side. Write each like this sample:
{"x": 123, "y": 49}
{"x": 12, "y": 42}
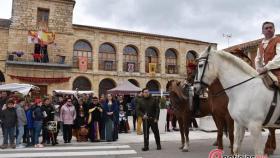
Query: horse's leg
{"x": 270, "y": 145}
{"x": 180, "y": 121}
{"x": 220, "y": 126}
{"x": 256, "y": 132}
{"x": 186, "y": 123}
{"x": 230, "y": 125}
{"x": 238, "y": 138}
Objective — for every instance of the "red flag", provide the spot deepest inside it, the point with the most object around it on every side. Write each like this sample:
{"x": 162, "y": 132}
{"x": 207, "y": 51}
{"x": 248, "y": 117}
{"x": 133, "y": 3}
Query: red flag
{"x": 83, "y": 62}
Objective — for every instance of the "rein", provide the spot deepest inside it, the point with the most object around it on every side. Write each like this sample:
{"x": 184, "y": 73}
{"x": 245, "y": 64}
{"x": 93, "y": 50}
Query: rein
{"x": 238, "y": 84}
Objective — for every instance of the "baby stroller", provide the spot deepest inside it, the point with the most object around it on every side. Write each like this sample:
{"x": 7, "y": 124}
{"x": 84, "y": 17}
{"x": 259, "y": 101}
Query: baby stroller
{"x": 124, "y": 127}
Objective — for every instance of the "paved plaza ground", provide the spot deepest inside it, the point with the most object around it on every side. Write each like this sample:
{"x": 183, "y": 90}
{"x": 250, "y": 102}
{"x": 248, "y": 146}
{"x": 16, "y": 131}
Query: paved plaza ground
{"x": 129, "y": 146}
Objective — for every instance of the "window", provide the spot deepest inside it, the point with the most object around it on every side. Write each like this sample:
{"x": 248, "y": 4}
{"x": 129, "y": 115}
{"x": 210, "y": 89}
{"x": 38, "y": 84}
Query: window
{"x": 130, "y": 59}
{"x": 151, "y": 56}
{"x": 171, "y": 61}
{"x": 82, "y": 49}
{"x": 191, "y": 62}
{"x": 107, "y": 57}
{"x": 43, "y": 17}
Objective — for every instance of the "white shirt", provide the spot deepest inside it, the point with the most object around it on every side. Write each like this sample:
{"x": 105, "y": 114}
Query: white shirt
{"x": 274, "y": 63}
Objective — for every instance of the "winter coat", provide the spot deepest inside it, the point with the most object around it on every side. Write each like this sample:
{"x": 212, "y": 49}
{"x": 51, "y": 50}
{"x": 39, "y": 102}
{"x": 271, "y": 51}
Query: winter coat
{"x": 68, "y": 114}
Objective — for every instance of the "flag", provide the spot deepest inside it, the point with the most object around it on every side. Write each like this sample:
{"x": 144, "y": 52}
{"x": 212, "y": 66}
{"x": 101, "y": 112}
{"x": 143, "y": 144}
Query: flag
{"x": 83, "y": 62}
{"x": 46, "y": 37}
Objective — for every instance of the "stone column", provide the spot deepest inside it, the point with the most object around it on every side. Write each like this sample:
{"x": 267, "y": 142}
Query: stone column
{"x": 119, "y": 57}
{"x": 141, "y": 56}
{"x": 182, "y": 61}
{"x": 162, "y": 57}
{"x": 95, "y": 50}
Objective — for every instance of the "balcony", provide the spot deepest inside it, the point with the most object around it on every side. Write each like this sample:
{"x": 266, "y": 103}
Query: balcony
{"x": 171, "y": 69}
{"x": 158, "y": 67}
{"x": 107, "y": 65}
{"x": 31, "y": 59}
{"x": 131, "y": 67}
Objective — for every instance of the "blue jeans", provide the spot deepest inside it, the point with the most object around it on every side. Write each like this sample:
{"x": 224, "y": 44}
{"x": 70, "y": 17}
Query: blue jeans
{"x": 37, "y": 130}
{"x": 9, "y": 133}
{"x": 20, "y": 134}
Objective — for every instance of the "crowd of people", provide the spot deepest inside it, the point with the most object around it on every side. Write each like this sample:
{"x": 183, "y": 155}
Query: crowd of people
{"x": 88, "y": 118}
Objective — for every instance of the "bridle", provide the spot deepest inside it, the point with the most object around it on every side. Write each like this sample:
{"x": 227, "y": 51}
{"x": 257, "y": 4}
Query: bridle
{"x": 203, "y": 72}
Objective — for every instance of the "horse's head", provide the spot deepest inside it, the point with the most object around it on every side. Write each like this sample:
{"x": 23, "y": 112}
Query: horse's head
{"x": 206, "y": 71}
{"x": 173, "y": 85}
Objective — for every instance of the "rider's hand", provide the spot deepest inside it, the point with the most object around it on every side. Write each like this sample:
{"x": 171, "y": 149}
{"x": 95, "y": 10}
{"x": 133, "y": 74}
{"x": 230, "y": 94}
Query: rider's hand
{"x": 262, "y": 70}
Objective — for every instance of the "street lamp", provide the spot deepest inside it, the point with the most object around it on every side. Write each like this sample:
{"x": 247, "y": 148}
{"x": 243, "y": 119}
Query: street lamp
{"x": 228, "y": 36}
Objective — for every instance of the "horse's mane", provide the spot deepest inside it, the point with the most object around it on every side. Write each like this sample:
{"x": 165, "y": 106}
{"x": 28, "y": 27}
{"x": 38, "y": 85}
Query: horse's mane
{"x": 245, "y": 67}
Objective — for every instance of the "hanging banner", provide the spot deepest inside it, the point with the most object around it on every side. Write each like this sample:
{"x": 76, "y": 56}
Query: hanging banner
{"x": 83, "y": 62}
{"x": 46, "y": 37}
{"x": 130, "y": 67}
{"x": 42, "y": 37}
{"x": 32, "y": 37}
{"x": 152, "y": 68}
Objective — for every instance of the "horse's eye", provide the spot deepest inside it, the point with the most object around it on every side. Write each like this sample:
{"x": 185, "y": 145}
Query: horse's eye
{"x": 200, "y": 65}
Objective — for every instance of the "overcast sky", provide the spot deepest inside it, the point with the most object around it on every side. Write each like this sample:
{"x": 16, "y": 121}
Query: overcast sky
{"x": 205, "y": 20}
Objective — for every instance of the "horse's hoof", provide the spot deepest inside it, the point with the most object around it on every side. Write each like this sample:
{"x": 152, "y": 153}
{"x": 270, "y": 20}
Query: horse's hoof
{"x": 269, "y": 151}
{"x": 185, "y": 150}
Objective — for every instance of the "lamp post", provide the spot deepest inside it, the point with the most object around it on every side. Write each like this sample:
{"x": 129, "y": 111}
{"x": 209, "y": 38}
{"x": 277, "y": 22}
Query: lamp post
{"x": 228, "y": 36}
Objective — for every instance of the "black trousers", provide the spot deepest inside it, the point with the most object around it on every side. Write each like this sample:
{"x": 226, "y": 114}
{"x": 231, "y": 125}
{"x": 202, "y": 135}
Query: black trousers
{"x": 67, "y": 133}
{"x": 147, "y": 124}
{"x": 174, "y": 121}
{"x": 134, "y": 121}
{"x": 45, "y": 134}
{"x": 193, "y": 123}
{"x": 196, "y": 102}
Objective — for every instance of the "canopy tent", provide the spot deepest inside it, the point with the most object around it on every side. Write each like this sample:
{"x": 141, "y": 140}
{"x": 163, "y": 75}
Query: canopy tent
{"x": 16, "y": 87}
{"x": 72, "y": 92}
{"x": 125, "y": 88}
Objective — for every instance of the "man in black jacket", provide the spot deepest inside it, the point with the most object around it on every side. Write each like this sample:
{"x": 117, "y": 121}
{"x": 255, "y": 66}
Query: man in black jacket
{"x": 148, "y": 109}
{"x": 9, "y": 120}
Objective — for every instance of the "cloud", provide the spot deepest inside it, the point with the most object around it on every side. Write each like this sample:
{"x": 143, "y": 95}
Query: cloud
{"x": 203, "y": 20}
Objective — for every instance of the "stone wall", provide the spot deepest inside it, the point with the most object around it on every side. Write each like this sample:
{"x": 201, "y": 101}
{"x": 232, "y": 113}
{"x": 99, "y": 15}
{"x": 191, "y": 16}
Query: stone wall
{"x": 24, "y": 14}
{"x": 4, "y": 35}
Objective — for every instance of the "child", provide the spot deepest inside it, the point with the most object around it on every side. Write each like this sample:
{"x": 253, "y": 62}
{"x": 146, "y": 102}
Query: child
{"x": 9, "y": 120}
{"x": 123, "y": 121}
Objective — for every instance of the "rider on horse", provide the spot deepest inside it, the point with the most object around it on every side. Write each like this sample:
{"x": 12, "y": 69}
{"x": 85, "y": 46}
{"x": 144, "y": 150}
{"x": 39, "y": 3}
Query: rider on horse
{"x": 268, "y": 54}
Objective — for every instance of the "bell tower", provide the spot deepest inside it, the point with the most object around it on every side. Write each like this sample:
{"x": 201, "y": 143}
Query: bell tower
{"x": 53, "y": 15}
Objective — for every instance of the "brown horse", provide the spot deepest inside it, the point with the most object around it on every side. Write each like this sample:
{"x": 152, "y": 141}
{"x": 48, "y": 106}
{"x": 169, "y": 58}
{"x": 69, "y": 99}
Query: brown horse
{"x": 215, "y": 105}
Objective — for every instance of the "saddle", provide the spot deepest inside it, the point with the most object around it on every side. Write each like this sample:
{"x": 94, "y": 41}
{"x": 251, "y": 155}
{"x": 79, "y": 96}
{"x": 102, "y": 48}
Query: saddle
{"x": 270, "y": 81}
